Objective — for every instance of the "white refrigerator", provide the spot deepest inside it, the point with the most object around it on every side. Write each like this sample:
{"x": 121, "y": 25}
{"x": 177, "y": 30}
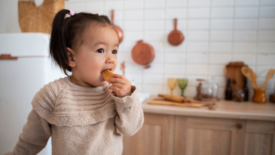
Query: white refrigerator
{"x": 22, "y": 75}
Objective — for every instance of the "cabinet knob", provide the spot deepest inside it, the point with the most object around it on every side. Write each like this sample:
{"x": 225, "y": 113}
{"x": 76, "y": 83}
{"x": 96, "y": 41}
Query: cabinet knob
{"x": 239, "y": 126}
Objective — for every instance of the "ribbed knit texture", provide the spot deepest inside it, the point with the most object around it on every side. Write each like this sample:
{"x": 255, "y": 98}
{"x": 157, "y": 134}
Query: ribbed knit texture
{"x": 81, "y": 120}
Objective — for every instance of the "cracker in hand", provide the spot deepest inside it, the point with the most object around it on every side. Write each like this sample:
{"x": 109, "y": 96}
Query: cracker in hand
{"x": 107, "y": 74}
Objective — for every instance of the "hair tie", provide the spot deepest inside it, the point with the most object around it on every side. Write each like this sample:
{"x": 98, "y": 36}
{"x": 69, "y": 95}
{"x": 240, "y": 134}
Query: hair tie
{"x": 71, "y": 13}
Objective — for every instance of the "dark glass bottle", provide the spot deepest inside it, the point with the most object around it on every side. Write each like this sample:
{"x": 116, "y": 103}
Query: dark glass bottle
{"x": 245, "y": 89}
{"x": 228, "y": 90}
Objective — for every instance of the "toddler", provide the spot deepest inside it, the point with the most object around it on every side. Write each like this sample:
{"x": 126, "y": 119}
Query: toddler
{"x": 82, "y": 113}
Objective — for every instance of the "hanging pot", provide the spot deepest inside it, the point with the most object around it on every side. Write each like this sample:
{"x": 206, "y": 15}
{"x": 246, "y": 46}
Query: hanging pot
{"x": 143, "y": 53}
{"x": 175, "y": 37}
{"x": 118, "y": 29}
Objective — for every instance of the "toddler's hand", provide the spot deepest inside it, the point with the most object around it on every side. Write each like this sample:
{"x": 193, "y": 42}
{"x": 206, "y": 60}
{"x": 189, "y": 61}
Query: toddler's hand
{"x": 121, "y": 85}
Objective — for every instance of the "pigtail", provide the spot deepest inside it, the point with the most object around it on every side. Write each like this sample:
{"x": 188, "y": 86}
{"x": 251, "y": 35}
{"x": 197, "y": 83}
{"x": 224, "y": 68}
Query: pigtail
{"x": 58, "y": 47}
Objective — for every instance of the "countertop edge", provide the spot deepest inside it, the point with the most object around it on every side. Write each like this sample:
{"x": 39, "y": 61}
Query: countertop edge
{"x": 220, "y": 112}
{"x": 213, "y": 115}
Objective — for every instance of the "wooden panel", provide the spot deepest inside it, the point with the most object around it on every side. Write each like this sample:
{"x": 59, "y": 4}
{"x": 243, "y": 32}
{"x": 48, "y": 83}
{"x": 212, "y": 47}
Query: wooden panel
{"x": 259, "y": 138}
{"x": 208, "y": 142}
{"x": 260, "y": 126}
{"x": 207, "y": 136}
{"x": 233, "y": 71}
{"x": 211, "y": 123}
{"x": 258, "y": 144}
{"x": 180, "y": 135}
{"x": 154, "y": 138}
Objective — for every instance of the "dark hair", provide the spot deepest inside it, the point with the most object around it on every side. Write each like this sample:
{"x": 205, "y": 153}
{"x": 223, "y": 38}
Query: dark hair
{"x": 65, "y": 31}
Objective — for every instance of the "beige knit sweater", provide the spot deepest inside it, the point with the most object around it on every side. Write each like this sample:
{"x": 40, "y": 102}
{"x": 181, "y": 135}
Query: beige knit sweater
{"x": 81, "y": 120}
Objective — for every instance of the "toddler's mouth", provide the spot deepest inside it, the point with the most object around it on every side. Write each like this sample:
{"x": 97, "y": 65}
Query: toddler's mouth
{"x": 110, "y": 69}
{"x": 101, "y": 77}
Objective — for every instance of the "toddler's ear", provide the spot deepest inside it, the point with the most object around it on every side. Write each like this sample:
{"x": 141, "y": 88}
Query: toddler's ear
{"x": 71, "y": 57}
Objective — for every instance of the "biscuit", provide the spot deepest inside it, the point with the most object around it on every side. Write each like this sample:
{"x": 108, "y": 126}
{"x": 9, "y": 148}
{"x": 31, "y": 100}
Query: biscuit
{"x": 107, "y": 74}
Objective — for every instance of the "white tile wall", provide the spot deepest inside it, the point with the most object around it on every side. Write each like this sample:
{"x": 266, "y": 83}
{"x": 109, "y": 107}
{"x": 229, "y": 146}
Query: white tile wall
{"x": 216, "y": 32}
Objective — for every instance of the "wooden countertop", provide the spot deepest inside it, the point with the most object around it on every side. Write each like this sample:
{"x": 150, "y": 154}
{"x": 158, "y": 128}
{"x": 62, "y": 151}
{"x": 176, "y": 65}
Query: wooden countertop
{"x": 224, "y": 109}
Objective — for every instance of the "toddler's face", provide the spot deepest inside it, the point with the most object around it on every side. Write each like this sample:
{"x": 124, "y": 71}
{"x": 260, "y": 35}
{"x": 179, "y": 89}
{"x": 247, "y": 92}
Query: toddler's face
{"x": 97, "y": 52}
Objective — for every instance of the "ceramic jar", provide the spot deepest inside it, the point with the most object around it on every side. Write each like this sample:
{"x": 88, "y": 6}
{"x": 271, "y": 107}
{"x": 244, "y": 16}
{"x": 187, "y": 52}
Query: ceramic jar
{"x": 259, "y": 95}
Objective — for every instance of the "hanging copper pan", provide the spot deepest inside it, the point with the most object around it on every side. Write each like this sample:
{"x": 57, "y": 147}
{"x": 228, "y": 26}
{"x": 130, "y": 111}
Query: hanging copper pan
{"x": 143, "y": 53}
{"x": 175, "y": 37}
{"x": 118, "y": 29}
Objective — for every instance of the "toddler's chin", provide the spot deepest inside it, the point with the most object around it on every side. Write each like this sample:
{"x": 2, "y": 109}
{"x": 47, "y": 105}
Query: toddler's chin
{"x": 102, "y": 83}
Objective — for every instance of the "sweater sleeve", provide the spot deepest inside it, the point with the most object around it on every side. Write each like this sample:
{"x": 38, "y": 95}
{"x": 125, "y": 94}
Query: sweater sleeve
{"x": 130, "y": 116}
{"x": 34, "y": 137}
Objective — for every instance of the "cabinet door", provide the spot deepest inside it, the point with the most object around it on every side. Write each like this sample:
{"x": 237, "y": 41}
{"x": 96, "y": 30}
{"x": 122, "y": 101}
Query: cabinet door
{"x": 154, "y": 138}
{"x": 207, "y": 136}
{"x": 260, "y": 138}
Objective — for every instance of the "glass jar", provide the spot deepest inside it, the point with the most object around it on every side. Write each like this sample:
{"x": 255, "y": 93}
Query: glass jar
{"x": 213, "y": 84}
{"x": 206, "y": 91}
{"x": 238, "y": 95}
{"x": 209, "y": 89}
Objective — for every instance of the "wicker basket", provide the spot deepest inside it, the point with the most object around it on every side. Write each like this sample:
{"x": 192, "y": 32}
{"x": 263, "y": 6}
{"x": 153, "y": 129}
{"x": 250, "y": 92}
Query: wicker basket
{"x": 38, "y": 19}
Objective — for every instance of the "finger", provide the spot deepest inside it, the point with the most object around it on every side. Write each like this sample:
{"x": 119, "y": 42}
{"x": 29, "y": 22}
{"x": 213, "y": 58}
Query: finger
{"x": 113, "y": 88}
{"x": 118, "y": 85}
{"x": 118, "y": 76}
{"x": 117, "y": 80}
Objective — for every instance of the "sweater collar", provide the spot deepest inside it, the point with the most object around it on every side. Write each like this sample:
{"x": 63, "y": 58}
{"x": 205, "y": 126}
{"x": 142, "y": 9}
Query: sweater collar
{"x": 91, "y": 89}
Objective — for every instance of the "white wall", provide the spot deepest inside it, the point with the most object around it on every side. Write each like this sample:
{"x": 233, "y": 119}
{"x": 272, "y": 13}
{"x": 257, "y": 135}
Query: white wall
{"x": 216, "y": 31}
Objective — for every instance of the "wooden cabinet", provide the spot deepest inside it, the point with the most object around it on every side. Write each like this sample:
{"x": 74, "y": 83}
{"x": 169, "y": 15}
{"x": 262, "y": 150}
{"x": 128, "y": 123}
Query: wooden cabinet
{"x": 207, "y": 136}
{"x": 260, "y": 138}
{"x": 154, "y": 138}
{"x": 182, "y": 135}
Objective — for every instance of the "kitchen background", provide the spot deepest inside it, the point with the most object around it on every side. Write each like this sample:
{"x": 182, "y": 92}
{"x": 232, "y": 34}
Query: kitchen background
{"x": 216, "y": 32}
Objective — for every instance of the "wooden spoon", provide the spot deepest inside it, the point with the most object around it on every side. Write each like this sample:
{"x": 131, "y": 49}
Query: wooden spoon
{"x": 269, "y": 75}
{"x": 246, "y": 72}
{"x": 254, "y": 77}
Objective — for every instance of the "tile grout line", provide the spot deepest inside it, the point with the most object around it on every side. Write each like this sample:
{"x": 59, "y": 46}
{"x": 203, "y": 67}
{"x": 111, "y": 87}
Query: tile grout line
{"x": 143, "y": 33}
{"x": 209, "y": 39}
{"x": 186, "y": 42}
{"x": 233, "y": 30}
{"x": 257, "y": 41}
{"x": 164, "y": 51}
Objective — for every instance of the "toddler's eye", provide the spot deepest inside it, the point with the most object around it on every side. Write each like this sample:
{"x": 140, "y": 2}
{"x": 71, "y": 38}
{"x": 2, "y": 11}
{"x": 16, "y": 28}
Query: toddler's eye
{"x": 100, "y": 50}
{"x": 114, "y": 51}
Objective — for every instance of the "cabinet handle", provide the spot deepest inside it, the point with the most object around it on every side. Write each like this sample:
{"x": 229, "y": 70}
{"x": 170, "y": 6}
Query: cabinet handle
{"x": 239, "y": 126}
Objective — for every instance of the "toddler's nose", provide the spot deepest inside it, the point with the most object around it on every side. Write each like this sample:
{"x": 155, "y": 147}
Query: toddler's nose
{"x": 110, "y": 59}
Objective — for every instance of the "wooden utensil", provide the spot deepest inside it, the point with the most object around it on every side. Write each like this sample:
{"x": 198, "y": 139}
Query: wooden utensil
{"x": 211, "y": 106}
{"x": 175, "y": 37}
{"x": 269, "y": 75}
{"x": 172, "y": 83}
{"x": 246, "y": 72}
{"x": 174, "y": 98}
{"x": 118, "y": 29}
{"x": 143, "y": 53}
{"x": 254, "y": 77}
{"x": 162, "y": 102}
